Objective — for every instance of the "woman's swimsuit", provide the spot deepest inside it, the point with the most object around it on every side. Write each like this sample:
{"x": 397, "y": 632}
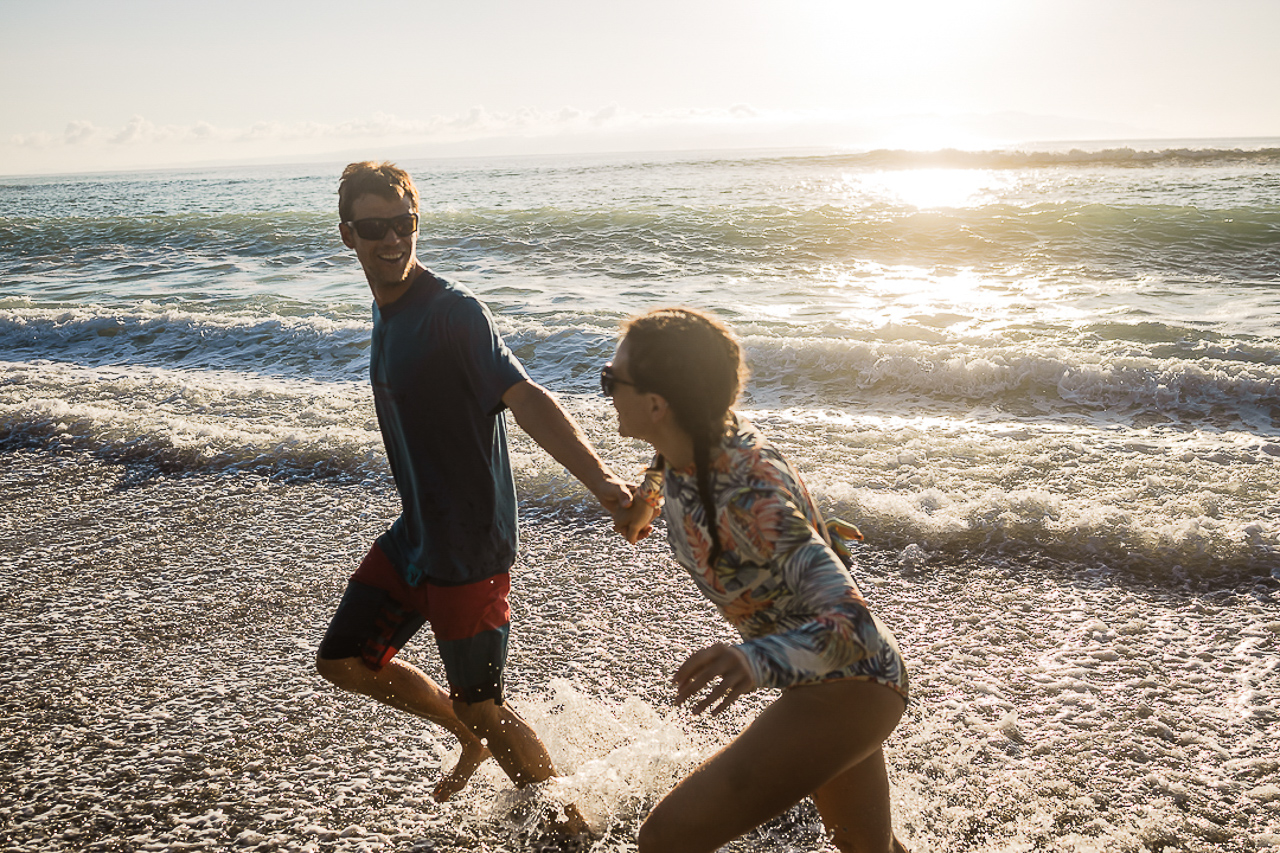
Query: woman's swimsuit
{"x": 777, "y": 579}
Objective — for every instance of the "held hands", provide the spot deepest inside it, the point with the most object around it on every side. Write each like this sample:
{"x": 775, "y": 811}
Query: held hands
{"x": 614, "y": 495}
{"x": 718, "y": 661}
{"x": 635, "y": 522}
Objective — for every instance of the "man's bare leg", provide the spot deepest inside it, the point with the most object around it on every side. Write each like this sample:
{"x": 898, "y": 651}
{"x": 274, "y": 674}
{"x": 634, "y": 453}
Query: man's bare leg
{"x": 405, "y": 687}
{"x": 517, "y": 749}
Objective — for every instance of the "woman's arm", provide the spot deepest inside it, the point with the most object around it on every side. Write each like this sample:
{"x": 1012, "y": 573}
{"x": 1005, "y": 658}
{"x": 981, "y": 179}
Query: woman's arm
{"x": 768, "y": 526}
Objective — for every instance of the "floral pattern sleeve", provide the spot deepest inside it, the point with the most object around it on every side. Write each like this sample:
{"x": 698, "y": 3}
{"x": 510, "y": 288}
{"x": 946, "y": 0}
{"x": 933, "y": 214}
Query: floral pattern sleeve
{"x": 823, "y": 624}
{"x": 776, "y": 578}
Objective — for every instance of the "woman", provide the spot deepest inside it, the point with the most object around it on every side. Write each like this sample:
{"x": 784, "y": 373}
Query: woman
{"x": 768, "y": 564}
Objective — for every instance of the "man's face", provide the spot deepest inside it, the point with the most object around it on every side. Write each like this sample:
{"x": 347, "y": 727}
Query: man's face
{"x": 390, "y": 263}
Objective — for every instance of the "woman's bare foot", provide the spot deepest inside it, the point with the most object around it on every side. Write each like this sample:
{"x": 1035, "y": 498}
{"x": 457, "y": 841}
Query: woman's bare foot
{"x": 473, "y": 755}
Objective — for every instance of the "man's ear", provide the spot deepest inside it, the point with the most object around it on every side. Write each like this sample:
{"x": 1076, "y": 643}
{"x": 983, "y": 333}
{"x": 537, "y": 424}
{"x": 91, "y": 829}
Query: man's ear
{"x": 348, "y": 238}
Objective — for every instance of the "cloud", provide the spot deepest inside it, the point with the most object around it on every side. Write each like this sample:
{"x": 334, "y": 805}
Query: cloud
{"x": 476, "y": 123}
{"x": 37, "y": 141}
{"x": 263, "y": 130}
{"x": 606, "y": 115}
{"x": 137, "y": 130}
{"x": 143, "y": 143}
{"x": 79, "y": 132}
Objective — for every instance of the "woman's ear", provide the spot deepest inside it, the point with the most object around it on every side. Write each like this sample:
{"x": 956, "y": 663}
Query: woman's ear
{"x": 659, "y": 408}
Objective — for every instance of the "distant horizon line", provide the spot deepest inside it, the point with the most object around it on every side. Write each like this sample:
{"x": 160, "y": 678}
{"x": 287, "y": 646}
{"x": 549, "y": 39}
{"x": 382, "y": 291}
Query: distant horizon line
{"x": 402, "y": 153}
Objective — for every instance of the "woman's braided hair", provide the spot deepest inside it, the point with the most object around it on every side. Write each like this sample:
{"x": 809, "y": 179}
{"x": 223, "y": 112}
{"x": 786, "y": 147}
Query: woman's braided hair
{"x": 694, "y": 362}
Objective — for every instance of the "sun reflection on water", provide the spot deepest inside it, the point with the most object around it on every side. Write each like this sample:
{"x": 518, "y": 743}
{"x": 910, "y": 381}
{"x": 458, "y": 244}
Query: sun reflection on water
{"x": 958, "y": 300}
{"x": 933, "y": 188}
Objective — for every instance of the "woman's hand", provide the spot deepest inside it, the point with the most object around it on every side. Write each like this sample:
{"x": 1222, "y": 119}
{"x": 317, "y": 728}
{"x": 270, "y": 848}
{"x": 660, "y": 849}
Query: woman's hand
{"x": 635, "y": 522}
{"x": 718, "y": 661}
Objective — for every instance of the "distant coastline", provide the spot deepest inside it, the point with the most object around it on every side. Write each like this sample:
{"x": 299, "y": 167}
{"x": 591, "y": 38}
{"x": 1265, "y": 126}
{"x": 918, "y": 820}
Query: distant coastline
{"x": 1139, "y": 149}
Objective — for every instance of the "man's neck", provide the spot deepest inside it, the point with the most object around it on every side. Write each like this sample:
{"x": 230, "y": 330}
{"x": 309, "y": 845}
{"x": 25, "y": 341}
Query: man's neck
{"x": 387, "y": 294}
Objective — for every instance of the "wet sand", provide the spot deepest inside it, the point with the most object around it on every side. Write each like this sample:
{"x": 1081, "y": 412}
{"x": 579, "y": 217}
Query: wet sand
{"x": 158, "y": 691}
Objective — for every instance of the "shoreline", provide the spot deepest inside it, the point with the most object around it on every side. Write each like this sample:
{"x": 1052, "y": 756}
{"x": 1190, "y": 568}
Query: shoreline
{"x": 159, "y": 691}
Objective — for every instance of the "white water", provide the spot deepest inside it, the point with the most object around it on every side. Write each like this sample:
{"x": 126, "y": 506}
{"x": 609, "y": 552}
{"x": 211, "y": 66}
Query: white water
{"x": 1046, "y": 388}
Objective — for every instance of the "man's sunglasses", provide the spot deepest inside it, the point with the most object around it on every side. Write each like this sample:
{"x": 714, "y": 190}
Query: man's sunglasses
{"x": 376, "y": 227}
{"x": 609, "y": 381}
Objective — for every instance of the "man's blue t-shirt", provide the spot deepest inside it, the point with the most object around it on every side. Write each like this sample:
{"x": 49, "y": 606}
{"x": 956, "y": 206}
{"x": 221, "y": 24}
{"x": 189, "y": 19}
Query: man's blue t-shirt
{"x": 439, "y": 369}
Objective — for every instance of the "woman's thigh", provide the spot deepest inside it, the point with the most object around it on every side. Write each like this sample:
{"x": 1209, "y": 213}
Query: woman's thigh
{"x": 855, "y": 807}
{"x": 806, "y": 738}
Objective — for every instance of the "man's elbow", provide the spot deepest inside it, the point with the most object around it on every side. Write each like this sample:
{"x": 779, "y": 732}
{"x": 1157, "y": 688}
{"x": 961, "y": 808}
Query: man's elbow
{"x": 526, "y": 399}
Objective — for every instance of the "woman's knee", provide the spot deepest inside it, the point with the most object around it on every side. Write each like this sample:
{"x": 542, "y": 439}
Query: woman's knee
{"x": 690, "y": 821}
{"x": 651, "y": 838}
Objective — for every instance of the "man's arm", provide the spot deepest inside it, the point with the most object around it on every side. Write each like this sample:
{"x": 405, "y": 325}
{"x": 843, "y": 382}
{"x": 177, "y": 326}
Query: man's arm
{"x": 541, "y": 416}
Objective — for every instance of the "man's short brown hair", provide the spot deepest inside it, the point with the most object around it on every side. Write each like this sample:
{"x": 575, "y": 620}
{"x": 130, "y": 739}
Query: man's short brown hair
{"x": 383, "y": 179}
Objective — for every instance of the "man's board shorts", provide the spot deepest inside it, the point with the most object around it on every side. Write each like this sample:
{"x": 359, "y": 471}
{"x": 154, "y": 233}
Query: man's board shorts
{"x": 380, "y": 612}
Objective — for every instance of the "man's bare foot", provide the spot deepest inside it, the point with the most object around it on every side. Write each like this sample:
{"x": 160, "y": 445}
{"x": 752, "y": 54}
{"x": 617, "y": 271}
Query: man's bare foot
{"x": 558, "y": 829}
{"x": 473, "y": 755}
{"x": 573, "y": 822}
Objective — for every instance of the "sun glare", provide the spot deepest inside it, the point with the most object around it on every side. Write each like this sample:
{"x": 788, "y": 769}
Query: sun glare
{"x": 933, "y": 188}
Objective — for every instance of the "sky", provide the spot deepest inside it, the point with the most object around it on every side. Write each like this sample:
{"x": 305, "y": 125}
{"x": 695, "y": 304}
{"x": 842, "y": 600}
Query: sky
{"x": 98, "y": 85}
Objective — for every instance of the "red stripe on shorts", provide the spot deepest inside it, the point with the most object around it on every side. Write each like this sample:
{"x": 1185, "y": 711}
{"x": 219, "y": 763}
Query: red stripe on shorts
{"x": 458, "y": 612}
{"x": 454, "y": 612}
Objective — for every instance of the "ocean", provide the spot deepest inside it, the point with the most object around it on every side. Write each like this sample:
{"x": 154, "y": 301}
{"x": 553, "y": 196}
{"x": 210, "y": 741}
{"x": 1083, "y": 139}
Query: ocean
{"x": 1044, "y": 382}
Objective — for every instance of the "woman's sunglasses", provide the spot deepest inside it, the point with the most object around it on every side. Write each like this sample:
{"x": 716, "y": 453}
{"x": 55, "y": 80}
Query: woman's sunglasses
{"x": 376, "y": 227}
{"x": 609, "y": 381}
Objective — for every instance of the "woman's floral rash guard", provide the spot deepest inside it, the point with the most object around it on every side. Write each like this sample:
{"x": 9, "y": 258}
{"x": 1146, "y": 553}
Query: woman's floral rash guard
{"x": 777, "y": 580}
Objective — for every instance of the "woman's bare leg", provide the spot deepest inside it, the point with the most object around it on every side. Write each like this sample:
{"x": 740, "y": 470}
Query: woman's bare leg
{"x": 855, "y": 807}
{"x": 801, "y": 742}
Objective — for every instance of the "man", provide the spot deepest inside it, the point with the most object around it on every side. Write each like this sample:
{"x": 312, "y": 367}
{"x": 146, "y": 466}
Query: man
{"x": 442, "y": 378}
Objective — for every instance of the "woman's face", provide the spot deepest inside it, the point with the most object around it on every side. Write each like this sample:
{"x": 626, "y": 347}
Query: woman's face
{"x": 631, "y": 405}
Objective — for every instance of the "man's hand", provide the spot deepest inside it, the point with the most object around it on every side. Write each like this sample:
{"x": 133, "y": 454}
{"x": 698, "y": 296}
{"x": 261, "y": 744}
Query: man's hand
{"x": 634, "y": 522}
{"x": 614, "y": 494}
{"x": 702, "y": 668}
